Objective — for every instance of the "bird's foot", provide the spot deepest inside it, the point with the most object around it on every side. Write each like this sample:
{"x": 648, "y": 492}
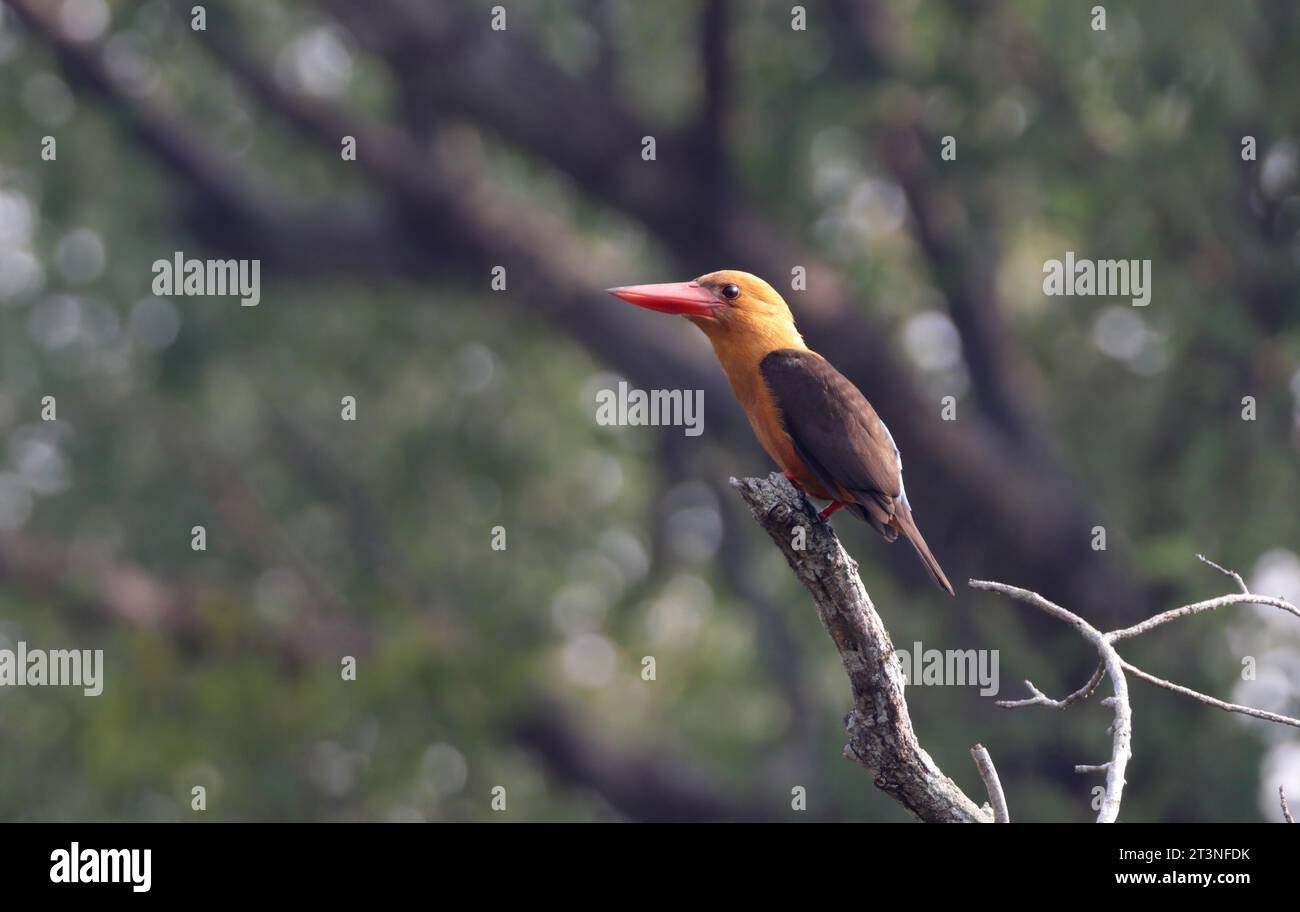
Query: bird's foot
{"x": 830, "y": 509}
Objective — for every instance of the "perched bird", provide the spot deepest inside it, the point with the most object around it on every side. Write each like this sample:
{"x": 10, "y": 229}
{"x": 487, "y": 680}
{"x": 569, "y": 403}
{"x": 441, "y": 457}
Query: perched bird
{"x": 815, "y": 424}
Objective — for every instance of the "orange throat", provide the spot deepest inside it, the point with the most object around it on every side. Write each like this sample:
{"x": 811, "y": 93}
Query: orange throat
{"x": 740, "y": 346}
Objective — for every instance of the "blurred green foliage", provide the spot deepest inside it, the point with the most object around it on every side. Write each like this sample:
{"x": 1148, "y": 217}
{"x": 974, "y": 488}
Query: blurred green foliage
{"x": 328, "y": 538}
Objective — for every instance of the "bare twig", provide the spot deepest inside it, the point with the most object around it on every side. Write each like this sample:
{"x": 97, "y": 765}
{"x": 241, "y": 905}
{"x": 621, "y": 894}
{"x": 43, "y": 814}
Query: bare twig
{"x": 1212, "y": 701}
{"x": 880, "y": 731}
{"x": 1121, "y": 730}
{"x": 1286, "y": 808}
{"x": 1241, "y": 583}
{"x": 1196, "y": 608}
{"x": 1116, "y": 667}
{"x": 1041, "y": 699}
{"x": 989, "y": 773}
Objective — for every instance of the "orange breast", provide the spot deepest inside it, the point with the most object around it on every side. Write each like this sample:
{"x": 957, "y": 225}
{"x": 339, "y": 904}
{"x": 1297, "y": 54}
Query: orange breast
{"x": 765, "y": 418}
{"x": 741, "y": 344}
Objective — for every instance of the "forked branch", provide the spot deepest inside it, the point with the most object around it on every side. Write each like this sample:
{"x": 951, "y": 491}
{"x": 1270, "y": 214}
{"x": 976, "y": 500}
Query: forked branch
{"x": 1116, "y": 668}
{"x": 880, "y": 731}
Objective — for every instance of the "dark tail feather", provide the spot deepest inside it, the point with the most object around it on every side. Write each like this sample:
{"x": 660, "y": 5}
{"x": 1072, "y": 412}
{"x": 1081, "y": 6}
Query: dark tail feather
{"x": 903, "y": 520}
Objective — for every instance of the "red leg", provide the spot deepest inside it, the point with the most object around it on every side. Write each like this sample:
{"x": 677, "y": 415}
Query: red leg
{"x": 830, "y": 509}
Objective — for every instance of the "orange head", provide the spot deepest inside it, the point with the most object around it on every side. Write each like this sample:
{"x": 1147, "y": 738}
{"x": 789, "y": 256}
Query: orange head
{"x": 735, "y": 309}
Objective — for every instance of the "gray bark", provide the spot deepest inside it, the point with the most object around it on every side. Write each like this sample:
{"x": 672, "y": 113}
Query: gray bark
{"x": 880, "y": 731}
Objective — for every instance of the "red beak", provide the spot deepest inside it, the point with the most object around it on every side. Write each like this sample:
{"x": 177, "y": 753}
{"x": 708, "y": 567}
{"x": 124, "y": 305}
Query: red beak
{"x": 671, "y": 297}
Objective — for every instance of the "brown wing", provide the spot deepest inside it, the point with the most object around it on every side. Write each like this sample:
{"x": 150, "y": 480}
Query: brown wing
{"x": 837, "y": 433}
{"x": 844, "y": 443}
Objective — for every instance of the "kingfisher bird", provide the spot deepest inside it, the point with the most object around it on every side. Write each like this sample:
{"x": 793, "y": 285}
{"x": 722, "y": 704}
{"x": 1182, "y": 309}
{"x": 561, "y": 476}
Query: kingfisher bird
{"x": 814, "y": 423}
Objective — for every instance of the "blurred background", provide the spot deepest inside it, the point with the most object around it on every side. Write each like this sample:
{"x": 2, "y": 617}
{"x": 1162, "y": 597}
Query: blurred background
{"x": 520, "y": 148}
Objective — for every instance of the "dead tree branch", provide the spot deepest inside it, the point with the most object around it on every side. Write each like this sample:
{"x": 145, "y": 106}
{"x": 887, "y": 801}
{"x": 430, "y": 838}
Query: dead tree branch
{"x": 989, "y": 773}
{"x": 1116, "y": 669}
{"x": 880, "y": 731}
{"x": 1122, "y": 728}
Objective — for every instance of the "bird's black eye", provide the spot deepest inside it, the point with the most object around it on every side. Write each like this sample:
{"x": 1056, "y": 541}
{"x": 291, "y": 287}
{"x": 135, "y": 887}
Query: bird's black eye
{"x": 731, "y": 292}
